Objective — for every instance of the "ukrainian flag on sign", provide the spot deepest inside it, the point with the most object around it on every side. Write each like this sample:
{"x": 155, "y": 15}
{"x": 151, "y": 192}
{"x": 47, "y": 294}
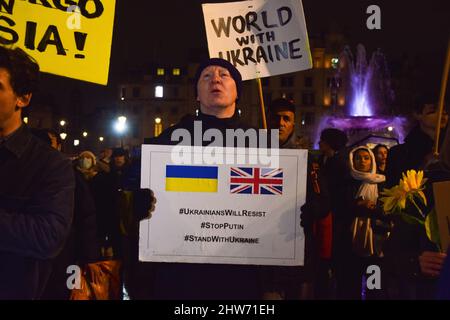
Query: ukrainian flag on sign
{"x": 191, "y": 178}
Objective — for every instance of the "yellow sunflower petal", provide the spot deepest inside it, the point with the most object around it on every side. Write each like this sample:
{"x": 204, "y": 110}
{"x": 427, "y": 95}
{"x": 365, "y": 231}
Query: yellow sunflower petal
{"x": 388, "y": 192}
{"x": 402, "y": 203}
{"x": 419, "y": 178}
{"x": 389, "y": 204}
{"x": 412, "y": 179}
{"x": 404, "y": 186}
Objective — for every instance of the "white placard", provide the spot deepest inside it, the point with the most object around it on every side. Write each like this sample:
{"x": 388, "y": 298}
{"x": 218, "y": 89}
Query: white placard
{"x": 232, "y": 224}
{"x": 260, "y": 38}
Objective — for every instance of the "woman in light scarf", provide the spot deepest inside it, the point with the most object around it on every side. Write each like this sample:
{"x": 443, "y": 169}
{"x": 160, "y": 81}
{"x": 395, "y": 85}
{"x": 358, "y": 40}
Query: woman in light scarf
{"x": 365, "y": 192}
{"x": 369, "y": 228}
{"x": 363, "y": 168}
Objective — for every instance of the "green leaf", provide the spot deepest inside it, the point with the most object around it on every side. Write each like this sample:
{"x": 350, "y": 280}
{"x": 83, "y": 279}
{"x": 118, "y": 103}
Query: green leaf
{"x": 419, "y": 198}
{"x": 432, "y": 228}
{"x": 411, "y": 219}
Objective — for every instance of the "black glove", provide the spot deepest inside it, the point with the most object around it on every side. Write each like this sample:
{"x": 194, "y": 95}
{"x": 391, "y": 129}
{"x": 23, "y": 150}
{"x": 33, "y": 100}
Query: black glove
{"x": 144, "y": 203}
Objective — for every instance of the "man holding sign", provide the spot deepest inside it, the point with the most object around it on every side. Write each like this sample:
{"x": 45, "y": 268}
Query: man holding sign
{"x": 218, "y": 88}
{"x": 258, "y": 38}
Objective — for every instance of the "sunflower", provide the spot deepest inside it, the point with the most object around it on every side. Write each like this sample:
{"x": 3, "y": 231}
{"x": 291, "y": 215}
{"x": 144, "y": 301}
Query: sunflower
{"x": 411, "y": 185}
{"x": 394, "y": 199}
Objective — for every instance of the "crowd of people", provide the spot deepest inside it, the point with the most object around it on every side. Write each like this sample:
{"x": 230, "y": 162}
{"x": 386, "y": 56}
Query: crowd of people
{"x": 56, "y": 212}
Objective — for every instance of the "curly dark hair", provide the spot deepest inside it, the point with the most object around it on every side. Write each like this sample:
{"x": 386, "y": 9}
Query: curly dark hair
{"x": 23, "y": 70}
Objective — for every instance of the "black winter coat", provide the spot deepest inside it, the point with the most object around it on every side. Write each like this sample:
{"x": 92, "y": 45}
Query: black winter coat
{"x": 36, "y": 208}
{"x": 82, "y": 245}
{"x": 408, "y": 241}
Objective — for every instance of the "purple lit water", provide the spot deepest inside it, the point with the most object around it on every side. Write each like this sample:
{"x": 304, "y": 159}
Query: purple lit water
{"x": 370, "y": 97}
{"x": 370, "y": 82}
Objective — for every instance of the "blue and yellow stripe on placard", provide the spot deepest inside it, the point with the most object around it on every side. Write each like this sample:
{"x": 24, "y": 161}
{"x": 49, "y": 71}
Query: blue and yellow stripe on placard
{"x": 191, "y": 178}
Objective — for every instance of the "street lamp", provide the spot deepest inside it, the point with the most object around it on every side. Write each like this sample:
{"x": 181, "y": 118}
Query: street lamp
{"x": 101, "y": 139}
{"x": 121, "y": 126}
{"x": 85, "y": 134}
{"x": 76, "y": 142}
{"x": 62, "y": 123}
{"x": 63, "y": 135}
{"x": 158, "y": 126}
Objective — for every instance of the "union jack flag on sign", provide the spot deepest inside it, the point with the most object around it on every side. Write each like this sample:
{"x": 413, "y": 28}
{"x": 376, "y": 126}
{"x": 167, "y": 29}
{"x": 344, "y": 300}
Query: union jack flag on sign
{"x": 256, "y": 181}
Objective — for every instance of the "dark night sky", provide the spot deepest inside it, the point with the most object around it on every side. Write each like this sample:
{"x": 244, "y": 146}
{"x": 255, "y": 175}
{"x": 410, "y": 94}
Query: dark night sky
{"x": 165, "y": 31}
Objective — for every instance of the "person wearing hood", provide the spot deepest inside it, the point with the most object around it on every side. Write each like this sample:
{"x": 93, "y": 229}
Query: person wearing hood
{"x": 86, "y": 164}
{"x": 363, "y": 170}
{"x": 368, "y": 221}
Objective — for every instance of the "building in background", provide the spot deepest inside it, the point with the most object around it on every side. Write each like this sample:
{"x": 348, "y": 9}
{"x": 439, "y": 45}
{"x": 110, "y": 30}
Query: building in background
{"x": 156, "y": 96}
{"x": 161, "y": 95}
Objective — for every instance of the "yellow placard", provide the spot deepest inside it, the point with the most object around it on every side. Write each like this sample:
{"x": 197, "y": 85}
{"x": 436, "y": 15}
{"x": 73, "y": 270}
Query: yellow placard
{"x": 70, "y": 38}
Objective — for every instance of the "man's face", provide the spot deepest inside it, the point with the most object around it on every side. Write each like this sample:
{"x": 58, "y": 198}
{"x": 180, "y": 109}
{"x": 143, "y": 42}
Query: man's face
{"x": 283, "y": 120}
{"x": 106, "y": 154}
{"x": 381, "y": 155}
{"x": 10, "y": 104}
{"x": 429, "y": 116}
{"x": 217, "y": 92}
{"x": 119, "y": 161}
{"x": 324, "y": 147}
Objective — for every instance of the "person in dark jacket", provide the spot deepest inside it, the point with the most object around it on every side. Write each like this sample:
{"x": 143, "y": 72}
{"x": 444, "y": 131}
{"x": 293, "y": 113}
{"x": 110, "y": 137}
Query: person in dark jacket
{"x": 444, "y": 280}
{"x": 381, "y": 152}
{"x": 417, "y": 151}
{"x": 334, "y": 167}
{"x": 413, "y": 261}
{"x": 108, "y": 191}
{"x": 296, "y": 282}
{"x": 218, "y": 87}
{"x": 82, "y": 245}
{"x": 36, "y": 189}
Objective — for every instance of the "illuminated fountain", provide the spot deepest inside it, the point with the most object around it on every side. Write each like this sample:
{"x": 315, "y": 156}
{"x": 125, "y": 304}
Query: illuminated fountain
{"x": 366, "y": 117}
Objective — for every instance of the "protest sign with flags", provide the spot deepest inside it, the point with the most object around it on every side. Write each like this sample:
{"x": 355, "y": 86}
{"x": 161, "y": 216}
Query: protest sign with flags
{"x": 241, "y": 212}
